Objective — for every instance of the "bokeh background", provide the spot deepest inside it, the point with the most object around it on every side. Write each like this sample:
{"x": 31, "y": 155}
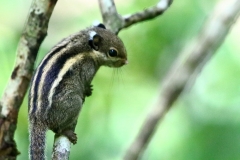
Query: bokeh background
{"x": 204, "y": 123}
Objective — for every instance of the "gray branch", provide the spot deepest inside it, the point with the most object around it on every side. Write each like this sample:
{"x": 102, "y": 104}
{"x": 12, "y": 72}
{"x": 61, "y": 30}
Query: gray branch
{"x": 61, "y": 148}
{"x": 189, "y": 61}
{"x": 146, "y": 14}
{"x": 110, "y": 16}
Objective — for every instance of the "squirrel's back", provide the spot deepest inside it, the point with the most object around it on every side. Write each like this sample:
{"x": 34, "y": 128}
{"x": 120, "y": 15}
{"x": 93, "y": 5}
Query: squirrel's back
{"x": 63, "y": 80}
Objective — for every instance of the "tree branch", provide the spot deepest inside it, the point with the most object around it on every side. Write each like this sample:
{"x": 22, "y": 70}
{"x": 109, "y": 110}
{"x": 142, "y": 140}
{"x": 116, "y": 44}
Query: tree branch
{"x": 210, "y": 38}
{"x": 116, "y": 22}
{"x": 110, "y": 16}
{"x": 34, "y": 32}
{"x": 147, "y": 14}
{"x": 61, "y": 148}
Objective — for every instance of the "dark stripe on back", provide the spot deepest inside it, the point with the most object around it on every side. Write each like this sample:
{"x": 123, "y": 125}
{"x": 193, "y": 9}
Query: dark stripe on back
{"x": 51, "y": 75}
{"x": 39, "y": 76}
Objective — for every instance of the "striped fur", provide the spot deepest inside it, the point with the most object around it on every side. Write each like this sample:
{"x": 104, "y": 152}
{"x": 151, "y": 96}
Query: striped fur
{"x": 63, "y": 79}
{"x": 38, "y": 78}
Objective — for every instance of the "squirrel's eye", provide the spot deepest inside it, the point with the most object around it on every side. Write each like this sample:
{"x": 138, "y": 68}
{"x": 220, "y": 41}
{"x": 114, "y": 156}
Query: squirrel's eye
{"x": 112, "y": 52}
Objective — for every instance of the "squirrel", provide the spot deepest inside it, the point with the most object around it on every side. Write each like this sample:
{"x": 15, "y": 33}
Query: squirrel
{"x": 62, "y": 81}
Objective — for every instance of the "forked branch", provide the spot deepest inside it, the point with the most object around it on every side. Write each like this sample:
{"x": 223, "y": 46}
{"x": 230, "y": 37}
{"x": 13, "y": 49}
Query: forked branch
{"x": 116, "y": 22}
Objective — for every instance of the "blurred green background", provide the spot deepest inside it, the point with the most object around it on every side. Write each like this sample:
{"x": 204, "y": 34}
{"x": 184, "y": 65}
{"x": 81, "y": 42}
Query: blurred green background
{"x": 204, "y": 124}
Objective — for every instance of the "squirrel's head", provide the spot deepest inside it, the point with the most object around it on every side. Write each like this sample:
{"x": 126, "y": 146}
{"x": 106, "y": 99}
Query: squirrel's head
{"x": 107, "y": 47}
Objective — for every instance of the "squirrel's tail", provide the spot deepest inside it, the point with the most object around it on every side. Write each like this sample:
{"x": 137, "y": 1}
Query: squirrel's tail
{"x": 37, "y": 134}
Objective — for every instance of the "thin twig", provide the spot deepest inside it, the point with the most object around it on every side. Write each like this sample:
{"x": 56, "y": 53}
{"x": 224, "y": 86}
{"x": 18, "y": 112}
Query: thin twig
{"x": 147, "y": 14}
{"x": 208, "y": 41}
{"x": 34, "y": 32}
{"x": 116, "y": 22}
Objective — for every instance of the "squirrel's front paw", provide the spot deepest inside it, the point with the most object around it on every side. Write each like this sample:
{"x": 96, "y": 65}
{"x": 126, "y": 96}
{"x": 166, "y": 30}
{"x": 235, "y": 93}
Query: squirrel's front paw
{"x": 88, "y": 91}
{"x": 71, "y": 136}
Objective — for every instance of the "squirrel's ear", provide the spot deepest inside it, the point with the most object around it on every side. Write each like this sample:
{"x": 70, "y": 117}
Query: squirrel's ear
{"x": 94, "y": 40}
{"x": 101, "y": 26}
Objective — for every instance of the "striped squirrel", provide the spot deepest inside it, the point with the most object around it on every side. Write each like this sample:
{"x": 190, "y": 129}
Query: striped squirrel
{"x": 63, "y": 80}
